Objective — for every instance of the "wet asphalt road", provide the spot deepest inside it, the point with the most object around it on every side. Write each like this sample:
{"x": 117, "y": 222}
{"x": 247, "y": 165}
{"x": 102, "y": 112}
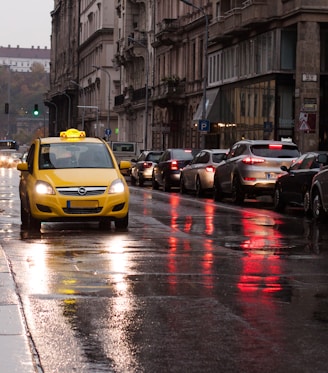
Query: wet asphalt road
{"x": 191, "y": 286}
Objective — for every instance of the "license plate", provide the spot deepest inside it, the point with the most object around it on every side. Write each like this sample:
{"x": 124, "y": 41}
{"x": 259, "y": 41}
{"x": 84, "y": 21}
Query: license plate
{"x": 82, "y": 204}
{"x": 271, "y": 176}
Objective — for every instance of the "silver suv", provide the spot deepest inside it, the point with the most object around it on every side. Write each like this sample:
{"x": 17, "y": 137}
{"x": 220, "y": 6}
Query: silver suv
{"x": 251, "y": 168}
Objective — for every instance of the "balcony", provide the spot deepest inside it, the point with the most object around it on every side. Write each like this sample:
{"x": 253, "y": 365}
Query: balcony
{"x": 170, "y": 91}
{"x": 131, "y": 97}
{"x": 167, "y": 31}
{"x": 232, "y": 21}
{"x": 254, "y": 12}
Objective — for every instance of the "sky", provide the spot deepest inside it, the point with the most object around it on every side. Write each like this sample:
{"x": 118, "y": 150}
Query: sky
{"x": 25, "y": 23}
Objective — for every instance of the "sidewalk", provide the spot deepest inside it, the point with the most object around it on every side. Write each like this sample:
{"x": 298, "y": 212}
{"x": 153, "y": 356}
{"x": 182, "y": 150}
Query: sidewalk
{"x": 15, "y": 352}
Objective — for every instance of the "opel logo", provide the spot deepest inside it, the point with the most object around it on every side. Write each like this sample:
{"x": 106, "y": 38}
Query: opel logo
{"x": 82, "y": 191}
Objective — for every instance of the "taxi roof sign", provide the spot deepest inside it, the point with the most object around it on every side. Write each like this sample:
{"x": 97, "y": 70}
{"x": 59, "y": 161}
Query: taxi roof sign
{"x": 72, "y": 133}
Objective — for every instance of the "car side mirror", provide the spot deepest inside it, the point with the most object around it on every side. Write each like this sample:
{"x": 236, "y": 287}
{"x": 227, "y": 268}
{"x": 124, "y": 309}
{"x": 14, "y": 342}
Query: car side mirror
{"x": 284, "y": 168}
{"x": 124, "y": 165}
{"x": 22, "y": 166}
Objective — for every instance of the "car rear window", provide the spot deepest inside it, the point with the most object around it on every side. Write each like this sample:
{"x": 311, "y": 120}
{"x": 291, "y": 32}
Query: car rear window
{"x": 183, "y": 154}
{"x": 275, "y": 151}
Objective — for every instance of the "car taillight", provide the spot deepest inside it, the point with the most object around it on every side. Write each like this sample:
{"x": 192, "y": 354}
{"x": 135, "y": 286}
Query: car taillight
{"x": 174, "y": 165}
{"x": 210, "y": 169}
{"x": 275, "y": 146}
{"x": 147, "y": 164}
{"x": 252, "y": 160}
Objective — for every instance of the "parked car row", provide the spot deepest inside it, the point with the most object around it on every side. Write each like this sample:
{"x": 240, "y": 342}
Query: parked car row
{"x": 250, "y": 168}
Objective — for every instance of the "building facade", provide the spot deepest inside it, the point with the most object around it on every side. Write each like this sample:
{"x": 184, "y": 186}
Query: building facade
{"x": 83, "y": 80}
{"x": 264, "y": 66}
{"x": 21, "y": 59}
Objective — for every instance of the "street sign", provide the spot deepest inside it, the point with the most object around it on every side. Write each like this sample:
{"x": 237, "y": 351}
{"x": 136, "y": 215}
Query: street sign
{"x": 108, "y": 131}
{"x": 203, "y": 125}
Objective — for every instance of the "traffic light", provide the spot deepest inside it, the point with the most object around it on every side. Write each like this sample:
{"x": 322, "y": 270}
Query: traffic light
{"x": 36, "y": 110}
{"x": 6, "y": 108}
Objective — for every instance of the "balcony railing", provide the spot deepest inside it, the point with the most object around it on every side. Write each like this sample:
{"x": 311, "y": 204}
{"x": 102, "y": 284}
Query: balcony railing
{"x": 254, "y": 12}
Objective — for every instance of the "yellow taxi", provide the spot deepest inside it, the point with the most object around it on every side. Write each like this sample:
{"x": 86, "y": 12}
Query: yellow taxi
{"x": 71, "y": 178}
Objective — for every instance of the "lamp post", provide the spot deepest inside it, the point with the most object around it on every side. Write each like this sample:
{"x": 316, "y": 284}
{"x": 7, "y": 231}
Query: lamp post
{"x": 205, "y": 62}
{"x": 83, "y": 112}
{"x": 109, "y": 87}
{"x": 147, "y": 85}
{"x": 69, "y": 110}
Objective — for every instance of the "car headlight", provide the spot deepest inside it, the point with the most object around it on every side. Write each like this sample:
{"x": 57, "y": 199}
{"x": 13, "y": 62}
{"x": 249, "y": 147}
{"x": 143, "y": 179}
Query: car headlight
{"x": 117, "y": 186}
{"x": 41, "y": 187}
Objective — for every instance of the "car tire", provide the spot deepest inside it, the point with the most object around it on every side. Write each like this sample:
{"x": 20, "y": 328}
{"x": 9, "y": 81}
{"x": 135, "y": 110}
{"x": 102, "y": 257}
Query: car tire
{"x": 141, "y": 181}
{"x": 307, "y": 203}
{"x": 199, "y": 190}
{"x": 183, "y": 189}
{"x": 24, "y": 216}
{"x": 317, "y": 209}
{"x": 278, "y": 202}
{"x": 122, "y": 223}
{"x": 237, "y": 194}
{"x": 154, "y": 183}
{"x": 166, "y": 184}
{"x": 105, "y": 224}
{"x": 217, "y": 192}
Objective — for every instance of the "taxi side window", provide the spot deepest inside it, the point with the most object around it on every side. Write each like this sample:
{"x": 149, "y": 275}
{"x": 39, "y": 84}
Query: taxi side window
{"x": 30, "y": 158}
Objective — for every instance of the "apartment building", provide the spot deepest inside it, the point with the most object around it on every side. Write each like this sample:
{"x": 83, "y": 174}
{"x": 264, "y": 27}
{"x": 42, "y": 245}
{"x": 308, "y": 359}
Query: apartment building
{"x": 263, "y": 63}
{"x": 266, "y": 70}
{"x": 21, "y": 59}
{"x": 83, "y": 80}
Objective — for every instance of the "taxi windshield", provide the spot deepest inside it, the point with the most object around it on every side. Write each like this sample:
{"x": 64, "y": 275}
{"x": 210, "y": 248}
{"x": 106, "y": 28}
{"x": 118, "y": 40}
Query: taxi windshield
{"x": 74, "y": 155}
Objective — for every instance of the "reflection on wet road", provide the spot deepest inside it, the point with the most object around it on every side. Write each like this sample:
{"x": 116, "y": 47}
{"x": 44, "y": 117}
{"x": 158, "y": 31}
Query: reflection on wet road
{"x": 192, "y": 285}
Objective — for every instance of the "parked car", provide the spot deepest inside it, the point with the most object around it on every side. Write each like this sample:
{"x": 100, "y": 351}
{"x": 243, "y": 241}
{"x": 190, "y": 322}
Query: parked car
{"x": 251, "y": 168}
{"x": 142, "y": 169}
{"x": 319, "y": 190}
{"x": 72, "y": 177}
{"x": 166, "y": 172}
{"x": 198, "y": 176}
{"x": 294, "y": 185}
{"x": 9, "y": 158}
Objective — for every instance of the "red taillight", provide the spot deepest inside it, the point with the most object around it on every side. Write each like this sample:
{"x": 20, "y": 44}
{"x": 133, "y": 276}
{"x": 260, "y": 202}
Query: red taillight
{"x": 174, "y": 165}
{"x": 252, "y": 160}
{"x": 275, "y": 146}
{"x": 210, "y": 169}
{"x": 147, "y": 164}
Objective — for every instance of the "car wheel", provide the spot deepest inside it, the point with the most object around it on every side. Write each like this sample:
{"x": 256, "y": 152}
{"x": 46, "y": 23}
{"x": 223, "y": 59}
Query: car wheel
{"x": 166, "y": 185}
{"x": 141, "y": 181}
{"x": 278, "y": 202}
{"x": 217, "y": 193}
{"x": 183, "y": 189}
{"x": 24, "y": 216}
{"x": 122, "y": 223}
{"x": 317, "y": 209}
{"x": 199, "y": 190}
{"x": 238, "y": 194}
{"x": 104, "y": 224}
{"x": 307, "y": 203}
{"x": 154, "y": 183}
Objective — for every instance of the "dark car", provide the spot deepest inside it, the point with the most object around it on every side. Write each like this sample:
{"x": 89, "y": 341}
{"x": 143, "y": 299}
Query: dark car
{"x": 198, "y": 176}
{"x": 251, "y": 168}
{"x": 294, "y": 185}
{"x": 142, "y": 169}
{"x": 319, "y": 190}
{"x": 166, "y": 173}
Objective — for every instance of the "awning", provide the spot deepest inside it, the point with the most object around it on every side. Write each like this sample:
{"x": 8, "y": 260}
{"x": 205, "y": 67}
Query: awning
{"x": 212, "y": 106}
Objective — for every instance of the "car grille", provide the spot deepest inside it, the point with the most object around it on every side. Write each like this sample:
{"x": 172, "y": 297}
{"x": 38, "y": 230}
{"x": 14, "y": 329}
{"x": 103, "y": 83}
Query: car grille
{"x": 81, "y": 191}
{"x": 84, "y": 211}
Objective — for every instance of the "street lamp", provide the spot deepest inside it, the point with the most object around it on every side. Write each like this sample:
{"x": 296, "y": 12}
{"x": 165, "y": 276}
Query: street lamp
{"x": 69, "y": 110}
{"x": 109, "y": 85}
{"x": 205, "y": 61}
{"x": 147, "y": 84}
{"x": 83, "y": 112}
